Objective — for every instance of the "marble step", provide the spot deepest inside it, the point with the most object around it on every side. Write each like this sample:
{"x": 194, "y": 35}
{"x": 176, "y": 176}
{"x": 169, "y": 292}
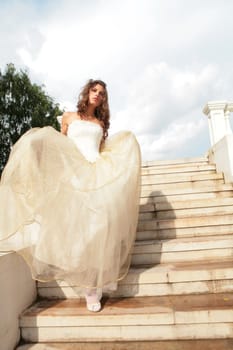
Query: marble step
{"x": 193, "y": 192}
{"x": 207, "y": 344}
{"x": 182, "y": 249}
{"x": 186, "y": 213}
{"x": 149, "y": 180}
{"x": 130, "y": 319}
{"x": 175, "y": 162}
{"x": 184, "y": 169}
{"x": 186, "y": 204}
{"x": 182, "y": 232}
{"x": 162, "y": 279}
{"x": 148, "y": 190}
{"x": 196, "y": 221}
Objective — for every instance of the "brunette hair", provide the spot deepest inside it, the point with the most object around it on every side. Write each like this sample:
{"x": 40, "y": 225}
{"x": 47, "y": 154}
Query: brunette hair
{"x": 102, "y": 112}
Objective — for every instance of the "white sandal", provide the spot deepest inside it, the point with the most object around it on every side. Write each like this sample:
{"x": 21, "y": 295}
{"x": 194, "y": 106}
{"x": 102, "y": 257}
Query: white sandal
{"x": 92, "y": 300}
{"x": 94, "y": 307}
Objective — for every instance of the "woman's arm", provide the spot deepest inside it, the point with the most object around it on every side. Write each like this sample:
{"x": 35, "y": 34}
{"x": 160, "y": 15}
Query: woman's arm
{"x": 64, "y": 123}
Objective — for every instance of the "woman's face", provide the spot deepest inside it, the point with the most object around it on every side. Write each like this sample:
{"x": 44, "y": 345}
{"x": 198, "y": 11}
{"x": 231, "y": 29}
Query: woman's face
{"x": 96, "y": 95}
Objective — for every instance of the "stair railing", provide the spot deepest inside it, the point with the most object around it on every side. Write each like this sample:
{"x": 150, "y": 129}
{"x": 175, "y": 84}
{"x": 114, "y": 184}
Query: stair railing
{"x": 221, "y": 136}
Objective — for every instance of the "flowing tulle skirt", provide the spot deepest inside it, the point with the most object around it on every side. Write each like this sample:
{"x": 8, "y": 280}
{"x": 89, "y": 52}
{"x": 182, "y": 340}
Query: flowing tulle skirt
{"x": 71, "y": 219}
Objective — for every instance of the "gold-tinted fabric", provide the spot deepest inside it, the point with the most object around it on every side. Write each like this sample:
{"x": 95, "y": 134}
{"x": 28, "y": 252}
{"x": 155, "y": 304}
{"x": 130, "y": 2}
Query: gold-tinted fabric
{"x": 71, "y": 219}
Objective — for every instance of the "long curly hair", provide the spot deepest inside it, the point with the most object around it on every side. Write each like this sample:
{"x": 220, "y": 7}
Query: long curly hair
{"x": 102, "y": 112}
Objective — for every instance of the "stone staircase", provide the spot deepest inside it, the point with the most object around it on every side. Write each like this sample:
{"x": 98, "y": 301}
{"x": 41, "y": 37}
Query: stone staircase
{"x": 177, "y": 294}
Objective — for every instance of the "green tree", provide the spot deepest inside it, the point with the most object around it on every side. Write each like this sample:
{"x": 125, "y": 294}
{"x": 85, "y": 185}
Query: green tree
{"x": 23, "y": 105}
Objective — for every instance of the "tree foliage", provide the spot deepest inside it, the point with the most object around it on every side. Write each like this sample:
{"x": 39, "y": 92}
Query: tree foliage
{"x": 23, "y": 105}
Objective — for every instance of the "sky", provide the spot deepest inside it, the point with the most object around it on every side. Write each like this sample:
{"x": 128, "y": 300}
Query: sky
{"x": 162, "y": 60}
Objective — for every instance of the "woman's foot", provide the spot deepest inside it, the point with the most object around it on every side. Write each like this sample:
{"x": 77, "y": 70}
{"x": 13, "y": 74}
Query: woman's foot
{"x": 94, "y": 307}
{"x": 92, "y": 300}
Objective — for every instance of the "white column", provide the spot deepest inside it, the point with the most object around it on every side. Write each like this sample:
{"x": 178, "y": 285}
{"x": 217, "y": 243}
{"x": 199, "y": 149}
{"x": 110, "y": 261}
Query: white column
{"x": 218, "y": 118}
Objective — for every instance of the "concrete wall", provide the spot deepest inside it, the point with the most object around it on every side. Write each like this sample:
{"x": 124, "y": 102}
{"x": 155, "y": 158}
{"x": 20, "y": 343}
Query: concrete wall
{"x": 17, "y": 291}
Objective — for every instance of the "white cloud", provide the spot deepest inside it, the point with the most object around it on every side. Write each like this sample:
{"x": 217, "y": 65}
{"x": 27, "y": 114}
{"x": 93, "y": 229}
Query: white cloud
{"x": 162, "y": 60}
{"x": 162, "y": 107}
{"x": 173, "y": 138}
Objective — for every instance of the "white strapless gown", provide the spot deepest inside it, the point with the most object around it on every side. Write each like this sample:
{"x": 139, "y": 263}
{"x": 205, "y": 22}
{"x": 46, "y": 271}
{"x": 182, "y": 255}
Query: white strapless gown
{"x": 69, "y": 209}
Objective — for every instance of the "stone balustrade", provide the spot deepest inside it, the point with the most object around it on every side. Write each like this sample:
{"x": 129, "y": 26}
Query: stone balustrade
{"x": 17, "y": 292}
{"x": 221, "y": 136}
{"x": 218, "y": 118}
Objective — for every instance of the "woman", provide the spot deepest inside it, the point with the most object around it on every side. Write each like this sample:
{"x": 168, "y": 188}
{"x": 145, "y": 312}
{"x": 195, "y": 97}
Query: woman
{"x": 69, "y": 200}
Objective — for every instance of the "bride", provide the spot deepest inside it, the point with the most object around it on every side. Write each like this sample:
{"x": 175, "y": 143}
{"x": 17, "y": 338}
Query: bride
{"x": 69, "y": 201}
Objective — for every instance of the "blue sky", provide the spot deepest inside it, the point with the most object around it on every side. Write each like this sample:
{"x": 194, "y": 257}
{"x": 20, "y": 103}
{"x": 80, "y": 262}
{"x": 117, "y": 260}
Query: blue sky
{"x": 162, "y": 60}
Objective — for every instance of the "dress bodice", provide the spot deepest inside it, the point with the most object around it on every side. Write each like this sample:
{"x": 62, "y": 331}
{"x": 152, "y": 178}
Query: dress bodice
{"x": 87, "y": 137}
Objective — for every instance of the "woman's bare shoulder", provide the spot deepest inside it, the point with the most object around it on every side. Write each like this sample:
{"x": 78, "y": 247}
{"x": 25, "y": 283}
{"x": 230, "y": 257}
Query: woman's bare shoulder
{"x": 102, "y": 123}
{"x": 66, "y": 116}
